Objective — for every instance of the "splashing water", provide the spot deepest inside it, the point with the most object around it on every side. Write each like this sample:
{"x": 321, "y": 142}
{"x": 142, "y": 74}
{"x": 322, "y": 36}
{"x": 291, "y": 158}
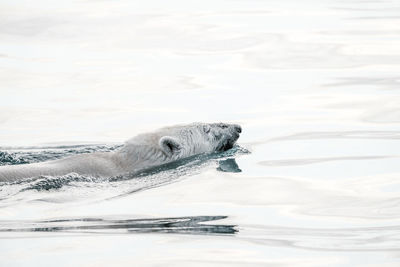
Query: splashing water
{"x": 76, "y": 185}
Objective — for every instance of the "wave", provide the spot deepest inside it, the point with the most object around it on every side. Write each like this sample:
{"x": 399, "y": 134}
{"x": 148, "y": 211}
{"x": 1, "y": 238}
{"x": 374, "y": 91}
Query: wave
{"x": 119, "y": 185}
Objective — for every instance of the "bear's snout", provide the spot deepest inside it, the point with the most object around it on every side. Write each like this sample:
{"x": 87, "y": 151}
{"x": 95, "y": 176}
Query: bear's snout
{"x": 237, "y": 128}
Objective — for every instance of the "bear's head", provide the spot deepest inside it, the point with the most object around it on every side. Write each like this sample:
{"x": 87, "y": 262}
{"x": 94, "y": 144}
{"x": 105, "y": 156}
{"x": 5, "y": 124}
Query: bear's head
{"x": 177, "y": 142}
{"x": 198, "y": 138}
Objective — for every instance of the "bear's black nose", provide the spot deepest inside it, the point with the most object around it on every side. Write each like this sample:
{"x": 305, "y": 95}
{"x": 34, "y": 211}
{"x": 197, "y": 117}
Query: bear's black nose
{"x": 237, "y": 128}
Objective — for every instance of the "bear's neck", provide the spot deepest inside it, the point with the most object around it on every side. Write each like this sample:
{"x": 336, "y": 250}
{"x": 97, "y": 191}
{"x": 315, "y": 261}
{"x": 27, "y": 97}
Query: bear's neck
{"x": 134, "y": 158}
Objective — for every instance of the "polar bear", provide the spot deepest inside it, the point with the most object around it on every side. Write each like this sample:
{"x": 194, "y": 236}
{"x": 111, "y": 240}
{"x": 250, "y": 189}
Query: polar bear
{"x": 139, "y": 153}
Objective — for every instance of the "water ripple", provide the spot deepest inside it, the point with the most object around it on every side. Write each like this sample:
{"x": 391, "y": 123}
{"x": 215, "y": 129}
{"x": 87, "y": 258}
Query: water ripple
{"x": 178, "y": 225}
{"x": 385, "y": 238}
{"x": 306, "y": 161}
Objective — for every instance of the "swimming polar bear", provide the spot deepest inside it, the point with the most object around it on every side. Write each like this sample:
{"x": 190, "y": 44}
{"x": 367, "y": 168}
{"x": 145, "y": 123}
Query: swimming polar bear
{"x": 141, "y": 152}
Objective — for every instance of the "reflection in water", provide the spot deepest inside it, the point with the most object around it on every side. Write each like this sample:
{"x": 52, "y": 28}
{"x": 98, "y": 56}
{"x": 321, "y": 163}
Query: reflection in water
{"x": 178, "y": 225}
{"x": 228, "y": 165}
{"x": 330, "y": 239}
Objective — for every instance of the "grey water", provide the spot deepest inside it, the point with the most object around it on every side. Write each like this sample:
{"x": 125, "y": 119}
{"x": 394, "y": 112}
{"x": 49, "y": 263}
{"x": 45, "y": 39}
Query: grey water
{"x": 313, "y": 180}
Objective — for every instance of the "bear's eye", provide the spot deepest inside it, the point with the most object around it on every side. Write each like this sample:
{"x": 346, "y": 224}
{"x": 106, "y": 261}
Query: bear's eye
{"x": 223, "y": 126}
{"x": 206, "y": 128}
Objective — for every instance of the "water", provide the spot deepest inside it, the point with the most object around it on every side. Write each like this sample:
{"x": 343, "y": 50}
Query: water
{"x": 314, "y": 180}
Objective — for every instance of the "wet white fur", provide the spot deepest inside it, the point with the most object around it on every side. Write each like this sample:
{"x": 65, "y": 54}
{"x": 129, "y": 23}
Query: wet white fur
{"x": 143, "y": 151}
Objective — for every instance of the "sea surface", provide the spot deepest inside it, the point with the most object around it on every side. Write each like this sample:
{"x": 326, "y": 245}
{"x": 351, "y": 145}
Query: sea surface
{"x": 314, "y": 179}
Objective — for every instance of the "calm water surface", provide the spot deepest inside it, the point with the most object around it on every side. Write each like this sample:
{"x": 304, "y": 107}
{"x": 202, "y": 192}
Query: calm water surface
{"x": 314, "y": 180}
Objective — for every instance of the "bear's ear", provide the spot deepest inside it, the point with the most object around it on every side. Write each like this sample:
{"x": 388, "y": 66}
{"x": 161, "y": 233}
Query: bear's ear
{"x": 169, "y": 145}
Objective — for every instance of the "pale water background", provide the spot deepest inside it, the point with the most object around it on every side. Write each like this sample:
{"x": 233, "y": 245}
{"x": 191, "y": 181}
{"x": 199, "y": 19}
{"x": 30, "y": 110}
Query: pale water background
{"x": 314, "y": 84}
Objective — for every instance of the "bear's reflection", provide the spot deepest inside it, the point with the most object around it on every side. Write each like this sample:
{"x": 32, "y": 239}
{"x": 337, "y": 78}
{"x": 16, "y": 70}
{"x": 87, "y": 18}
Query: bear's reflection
{"x": 228, "y": 165}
